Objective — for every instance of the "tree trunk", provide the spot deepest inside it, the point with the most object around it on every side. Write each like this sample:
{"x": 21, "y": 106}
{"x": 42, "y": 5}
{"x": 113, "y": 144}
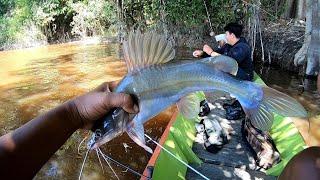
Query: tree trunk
{"x": 300, "y": 56}
{"x": 289, "y": 9}
{"x": 300, "y": 9}
{"x": 295, "y": 9}
{"x": 314, "y": 47}
{"x": 310, "y": 50}
{"x": 121, "y": 23}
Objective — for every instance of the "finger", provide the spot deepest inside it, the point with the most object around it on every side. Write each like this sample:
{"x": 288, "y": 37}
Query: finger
{"x": 122, "y": 100}
{"x": 107, "y": 86}
{"x": 103, "y": 87}
{"x": 195, "y": 54}
{"x": 205, "y": 48}
{"x": 113, "y": 85}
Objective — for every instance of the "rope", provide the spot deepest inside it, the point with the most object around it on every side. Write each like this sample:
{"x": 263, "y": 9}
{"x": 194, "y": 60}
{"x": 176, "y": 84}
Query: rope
{"x": 208, "y": 15}
{"x": 194, "y": 170}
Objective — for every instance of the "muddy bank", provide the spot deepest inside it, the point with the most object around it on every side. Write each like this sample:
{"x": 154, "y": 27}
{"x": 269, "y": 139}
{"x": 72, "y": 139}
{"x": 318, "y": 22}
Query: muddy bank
{"x": 281, "y": 41}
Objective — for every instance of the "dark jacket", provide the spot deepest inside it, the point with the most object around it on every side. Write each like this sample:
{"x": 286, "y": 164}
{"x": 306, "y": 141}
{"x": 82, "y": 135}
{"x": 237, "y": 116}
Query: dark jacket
{"x": 241, "y": 52}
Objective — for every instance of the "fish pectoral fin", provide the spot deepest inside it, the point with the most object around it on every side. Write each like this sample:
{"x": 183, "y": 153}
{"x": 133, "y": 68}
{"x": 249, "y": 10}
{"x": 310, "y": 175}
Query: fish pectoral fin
{"x": 223, "y": 63}
{"x": 189, "y": 106}
{"x": 261, "y": 118}
{"x": 136, "y": 133}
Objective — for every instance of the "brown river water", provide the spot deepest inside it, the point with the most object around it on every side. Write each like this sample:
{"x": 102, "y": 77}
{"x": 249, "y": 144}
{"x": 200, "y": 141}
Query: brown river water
{"x": 37, "y": 79}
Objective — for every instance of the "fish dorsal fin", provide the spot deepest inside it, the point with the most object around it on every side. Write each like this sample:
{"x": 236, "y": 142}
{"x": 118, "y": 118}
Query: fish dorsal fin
{"x": 142, "y": 50}
{"x": 223, "y": 63}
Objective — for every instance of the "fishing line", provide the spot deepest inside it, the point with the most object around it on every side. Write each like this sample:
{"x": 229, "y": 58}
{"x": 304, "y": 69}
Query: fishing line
{"x": 100, "y": 161}
{"x": 108, "y": 164}
{"x": 122, "y": 165}
{"x": 194, "y": 170}
{"x": 81, "y": 143}
{"x": 208, "y": 15}
{"x": 84, "y": 160}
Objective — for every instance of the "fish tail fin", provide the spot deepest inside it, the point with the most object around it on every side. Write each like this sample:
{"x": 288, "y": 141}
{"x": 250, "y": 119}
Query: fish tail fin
{"x": 274, "y": 102}
{"x": 136, "y": 133}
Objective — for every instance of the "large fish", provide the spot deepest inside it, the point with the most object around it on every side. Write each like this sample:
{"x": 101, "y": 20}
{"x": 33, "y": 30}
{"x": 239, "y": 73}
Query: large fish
{"x": 157, "y": 84}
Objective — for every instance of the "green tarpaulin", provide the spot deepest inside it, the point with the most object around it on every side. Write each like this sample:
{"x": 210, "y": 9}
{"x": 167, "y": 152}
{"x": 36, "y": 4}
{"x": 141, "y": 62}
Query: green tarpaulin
{"x": 182, "y": 134}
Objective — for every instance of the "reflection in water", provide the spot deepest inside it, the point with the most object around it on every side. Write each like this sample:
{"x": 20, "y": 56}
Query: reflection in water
{"x": 37, "y": 79}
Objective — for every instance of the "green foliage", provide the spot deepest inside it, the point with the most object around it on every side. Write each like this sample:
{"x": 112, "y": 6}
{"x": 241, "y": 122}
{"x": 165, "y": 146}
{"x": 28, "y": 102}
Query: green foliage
{"x": 92, "y": 18}
{"x": 60, "y": 20}
{"x": 185, "y": 12}
{"x": 53, "y": 20}
{"x": 182, "y": 13}
{"x": 273, "y": 9}
{"x": 14, "y": 15}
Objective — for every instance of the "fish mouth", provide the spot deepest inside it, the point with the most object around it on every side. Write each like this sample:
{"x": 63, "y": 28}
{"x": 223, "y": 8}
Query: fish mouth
{"x": 109, "y": 127}
{"x": 97, "y": 139}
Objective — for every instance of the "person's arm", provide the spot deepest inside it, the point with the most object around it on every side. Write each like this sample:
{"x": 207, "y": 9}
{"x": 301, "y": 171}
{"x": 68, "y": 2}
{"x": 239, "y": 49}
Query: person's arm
{"x": 200, "y": 54}
{"x": 24, "y": 151}
{"x": 208, "y": 50}
{"x": 197, "y": 53}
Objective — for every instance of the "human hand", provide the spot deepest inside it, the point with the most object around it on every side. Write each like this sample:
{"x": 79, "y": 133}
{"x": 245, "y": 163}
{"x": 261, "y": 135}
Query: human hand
{"x": 221, "y": 43}
{"x": 197, "y": 53}
{"x": 86, "y": 109}
{"x": 207, "y": 49}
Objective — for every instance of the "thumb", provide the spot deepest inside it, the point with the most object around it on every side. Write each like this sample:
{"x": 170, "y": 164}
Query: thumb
{"x": 121, "y": 100}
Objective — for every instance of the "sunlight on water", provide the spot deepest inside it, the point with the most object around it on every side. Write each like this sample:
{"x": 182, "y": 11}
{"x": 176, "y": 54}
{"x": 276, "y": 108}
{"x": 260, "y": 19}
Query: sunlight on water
{"x": 37, "y": 79}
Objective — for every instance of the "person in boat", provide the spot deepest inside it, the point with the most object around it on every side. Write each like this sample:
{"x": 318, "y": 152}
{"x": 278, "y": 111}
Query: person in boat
{"x": 236, "y": 47}
{"x": 25, "y": 150}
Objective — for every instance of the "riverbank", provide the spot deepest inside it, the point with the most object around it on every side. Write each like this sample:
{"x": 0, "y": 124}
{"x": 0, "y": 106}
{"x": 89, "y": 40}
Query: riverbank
{"x": 281, "y": 41}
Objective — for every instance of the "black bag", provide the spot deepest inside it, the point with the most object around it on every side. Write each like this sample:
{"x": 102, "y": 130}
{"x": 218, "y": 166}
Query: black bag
{"x": 213, "y": 135}
{"x": 234, "y": 110}
{"x": 204, "y": 108}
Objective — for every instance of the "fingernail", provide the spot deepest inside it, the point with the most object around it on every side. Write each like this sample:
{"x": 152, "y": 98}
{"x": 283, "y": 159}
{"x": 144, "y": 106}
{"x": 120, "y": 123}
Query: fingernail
{"x": 136, "y": 108}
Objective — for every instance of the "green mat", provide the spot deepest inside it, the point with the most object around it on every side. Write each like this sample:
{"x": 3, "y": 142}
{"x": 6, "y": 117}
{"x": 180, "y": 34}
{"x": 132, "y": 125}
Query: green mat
{"x": 179, "y": 142}
{"x": 286, "y": 137}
